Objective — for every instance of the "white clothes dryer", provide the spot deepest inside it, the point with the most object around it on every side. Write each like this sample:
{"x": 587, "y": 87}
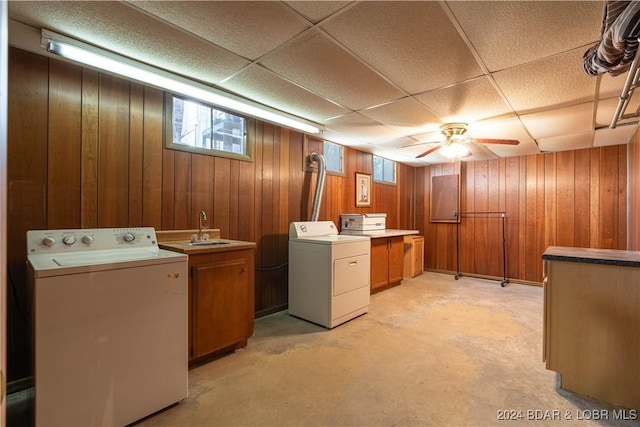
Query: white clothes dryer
{"x": 329, "y": 273}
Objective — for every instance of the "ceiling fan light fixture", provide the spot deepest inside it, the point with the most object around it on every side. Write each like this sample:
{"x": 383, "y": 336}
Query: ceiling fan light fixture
{"x": 454, "y": 150}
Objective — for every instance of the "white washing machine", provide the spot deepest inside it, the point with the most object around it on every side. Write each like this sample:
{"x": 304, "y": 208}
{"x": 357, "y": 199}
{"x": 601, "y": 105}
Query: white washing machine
{"x": 328, "y": 273}
{"x": 110, "y": 325}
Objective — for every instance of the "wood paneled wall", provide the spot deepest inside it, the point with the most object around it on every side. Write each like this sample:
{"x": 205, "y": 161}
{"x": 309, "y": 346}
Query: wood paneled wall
{"x": 633, "y": 243}
{"x": 570, "y": 198}
{"x": 86, "y": 150}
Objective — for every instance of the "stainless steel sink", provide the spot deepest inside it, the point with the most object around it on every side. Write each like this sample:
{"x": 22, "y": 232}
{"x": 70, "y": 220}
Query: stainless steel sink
{"x": 207, "y": 243}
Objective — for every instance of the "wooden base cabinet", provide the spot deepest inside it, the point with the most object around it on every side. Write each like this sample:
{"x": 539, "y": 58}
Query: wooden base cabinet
{"x": 591, "y": 333}
{"x": 387, "y": 262}
{"x": 221, "y": 294}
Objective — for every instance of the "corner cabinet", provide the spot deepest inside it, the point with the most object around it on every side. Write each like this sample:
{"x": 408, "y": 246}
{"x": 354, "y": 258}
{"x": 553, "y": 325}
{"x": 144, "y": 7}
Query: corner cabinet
{"x": 221, "y": 302}
{"x": 387, "y": 262}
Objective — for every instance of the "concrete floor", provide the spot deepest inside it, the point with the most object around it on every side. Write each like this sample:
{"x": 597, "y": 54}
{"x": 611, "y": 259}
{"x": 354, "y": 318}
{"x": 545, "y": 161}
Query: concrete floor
{"x": 434, "y": 351}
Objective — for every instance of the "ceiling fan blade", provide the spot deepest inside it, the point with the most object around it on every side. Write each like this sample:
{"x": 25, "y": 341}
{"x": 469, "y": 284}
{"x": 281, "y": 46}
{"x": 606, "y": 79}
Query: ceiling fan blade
{"x": 431, "y": 150}
{"x": 415, "y": 144}
{"x": 496, "y": 141}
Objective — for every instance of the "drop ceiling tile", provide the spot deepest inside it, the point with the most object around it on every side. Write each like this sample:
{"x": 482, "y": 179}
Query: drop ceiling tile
{"x": 344, "y": 139}
{"x": 434, "y": 137}
{"x": 524, "y": 148}
{"x": 263, "y": 86}
{"x": 466, "y": 102}
{"x": 247, "y": 28}
{"x": 316, "y": 11}
{"x": 551, "y": 82}
{"x": 119, "y": 28}
{"x": 567, "y": 120}
{"x": 611, "y": 86}
{"x": 315, "y": 62}
{"x": 396, "y": 143}
{"x": 406, "y": 116}
{"x": 397, "y": 156}
{"x": 479, "y": 152}
{"x": 505, "y": 127}
{"x": 617, "y": 136}
{"x": 368, "y": 130}
{"x": 413, "y": 43}
{"x": 566, "y": 142}
{"x": 510, "y": 33}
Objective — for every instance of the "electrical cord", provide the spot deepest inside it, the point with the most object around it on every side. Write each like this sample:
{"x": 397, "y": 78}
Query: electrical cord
{"x": 277, "y": 267}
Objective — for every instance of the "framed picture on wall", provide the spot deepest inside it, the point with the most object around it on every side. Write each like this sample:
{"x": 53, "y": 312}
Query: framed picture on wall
{"x": 363, "y": 190}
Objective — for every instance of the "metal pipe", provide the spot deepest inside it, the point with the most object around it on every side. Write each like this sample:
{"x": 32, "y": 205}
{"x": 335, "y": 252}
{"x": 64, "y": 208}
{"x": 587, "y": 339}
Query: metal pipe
{"x": 322, "y": 169}
{"x": 458, "y": 216}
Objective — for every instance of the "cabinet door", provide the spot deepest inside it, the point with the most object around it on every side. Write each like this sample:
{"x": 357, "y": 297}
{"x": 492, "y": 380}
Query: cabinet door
{"x": 418, "y": 256}
{"x": 219, "y": 305}
{"x": 396, "y": 259}
{"x": 379, "y": 263}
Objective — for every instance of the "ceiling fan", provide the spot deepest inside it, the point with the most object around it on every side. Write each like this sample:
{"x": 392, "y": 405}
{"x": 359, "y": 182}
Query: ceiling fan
{"x": 456, "y": 139}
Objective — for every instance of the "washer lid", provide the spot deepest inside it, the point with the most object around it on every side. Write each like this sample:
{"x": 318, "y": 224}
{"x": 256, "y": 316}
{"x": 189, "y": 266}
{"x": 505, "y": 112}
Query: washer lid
{"x": 64, "y": 264}
{"x": 312, "y": 229}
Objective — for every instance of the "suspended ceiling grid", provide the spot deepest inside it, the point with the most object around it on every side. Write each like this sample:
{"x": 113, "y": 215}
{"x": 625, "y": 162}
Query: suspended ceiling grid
{"x": 381, "y": 76}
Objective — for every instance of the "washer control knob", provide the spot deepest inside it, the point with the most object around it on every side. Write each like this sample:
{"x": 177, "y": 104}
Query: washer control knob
{"x": 129, "y": 237}
{"x": 87, "y": 240}
{"x": 48, "y": 241}
{"x": 69, "y": 240}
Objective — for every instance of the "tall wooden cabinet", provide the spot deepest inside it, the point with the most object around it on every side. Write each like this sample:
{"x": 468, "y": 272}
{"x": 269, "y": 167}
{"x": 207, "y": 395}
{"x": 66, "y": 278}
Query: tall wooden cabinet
{"x": 387, "y": 262}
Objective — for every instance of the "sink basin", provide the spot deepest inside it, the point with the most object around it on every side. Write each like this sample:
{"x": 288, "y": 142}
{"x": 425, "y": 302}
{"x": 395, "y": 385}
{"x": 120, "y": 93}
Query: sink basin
{"x": 206, "y": 243}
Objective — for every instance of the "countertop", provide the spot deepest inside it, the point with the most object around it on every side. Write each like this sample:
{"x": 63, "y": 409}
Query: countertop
{"x": 379, "y": 234}
{"x": 178, "y": 241}
{"x": 593, "y": 256}
{"x": 224, "y": 246}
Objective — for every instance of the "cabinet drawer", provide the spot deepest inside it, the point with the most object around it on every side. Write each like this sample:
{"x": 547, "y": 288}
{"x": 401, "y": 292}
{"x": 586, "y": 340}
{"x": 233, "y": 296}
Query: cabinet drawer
{"x": 350, "y": 273}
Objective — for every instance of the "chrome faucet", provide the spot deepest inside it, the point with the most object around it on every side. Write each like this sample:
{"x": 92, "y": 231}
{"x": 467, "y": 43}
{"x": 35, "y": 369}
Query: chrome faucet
{"x": 201, "y": 218}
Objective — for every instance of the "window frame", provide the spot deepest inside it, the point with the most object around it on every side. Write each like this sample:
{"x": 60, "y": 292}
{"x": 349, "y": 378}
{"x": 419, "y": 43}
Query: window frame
{"x": 395, "y": 171}
{"x": 341, "y": 147}
{"x": 313, "y": 143}
{"x": 168, "y": 119}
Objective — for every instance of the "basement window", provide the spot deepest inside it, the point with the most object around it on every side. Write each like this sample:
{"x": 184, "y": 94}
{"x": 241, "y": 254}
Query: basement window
{"x": 201, "y": 128}
{"x": 384, "y": 170}
{"x": 332, "y": 156}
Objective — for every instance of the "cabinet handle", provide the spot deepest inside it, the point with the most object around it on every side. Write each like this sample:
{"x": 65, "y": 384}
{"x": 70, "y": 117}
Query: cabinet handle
{"x": 352, "y": 263}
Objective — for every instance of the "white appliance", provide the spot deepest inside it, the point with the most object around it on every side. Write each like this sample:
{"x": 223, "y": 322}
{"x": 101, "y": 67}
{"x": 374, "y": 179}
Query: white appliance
{"x": 110, "y": 325}
{"x": 328, "y": 273}
{"x": 363, "y": 222}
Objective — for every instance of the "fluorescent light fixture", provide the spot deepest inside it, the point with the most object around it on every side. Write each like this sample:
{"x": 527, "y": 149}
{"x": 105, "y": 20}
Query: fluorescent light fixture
{"x": 85, "y": 54}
